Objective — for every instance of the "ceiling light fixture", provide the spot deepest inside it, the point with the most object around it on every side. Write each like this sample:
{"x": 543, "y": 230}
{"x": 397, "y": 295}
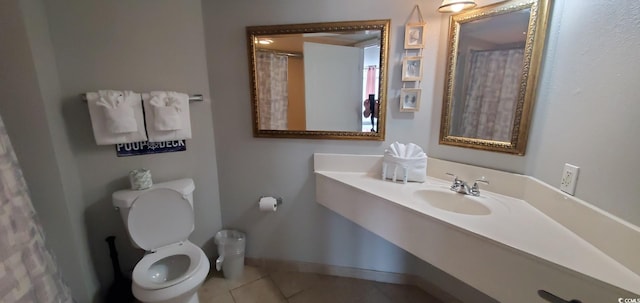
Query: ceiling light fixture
{"x": 454, "y": 6}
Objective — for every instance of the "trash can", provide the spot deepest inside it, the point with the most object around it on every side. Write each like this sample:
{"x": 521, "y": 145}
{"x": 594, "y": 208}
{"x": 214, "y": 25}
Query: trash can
{"x": 231, "y": 245}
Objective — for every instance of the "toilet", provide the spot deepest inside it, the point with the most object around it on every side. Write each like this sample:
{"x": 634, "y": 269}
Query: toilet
{"x": 159, "y": 220}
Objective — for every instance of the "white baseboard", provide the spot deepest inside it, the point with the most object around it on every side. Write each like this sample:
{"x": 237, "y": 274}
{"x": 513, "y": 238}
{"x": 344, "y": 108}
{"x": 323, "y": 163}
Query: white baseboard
{"x": 351, "y": 272}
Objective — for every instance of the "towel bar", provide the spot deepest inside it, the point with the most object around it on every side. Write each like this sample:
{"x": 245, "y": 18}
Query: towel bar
{"x": 192, "y": 98}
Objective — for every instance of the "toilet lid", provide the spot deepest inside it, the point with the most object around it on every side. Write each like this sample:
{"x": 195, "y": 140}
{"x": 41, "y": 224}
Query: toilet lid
{"x": 160, "y": 217}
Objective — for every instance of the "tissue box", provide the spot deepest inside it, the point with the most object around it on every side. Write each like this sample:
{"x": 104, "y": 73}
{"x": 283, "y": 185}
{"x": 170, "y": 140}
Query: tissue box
{"x": 404, "y": 162}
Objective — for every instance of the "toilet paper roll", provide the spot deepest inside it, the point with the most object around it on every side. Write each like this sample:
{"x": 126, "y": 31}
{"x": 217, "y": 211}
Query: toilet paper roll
{"x": 140, "y": 179}
{"x": 269, "y": 204}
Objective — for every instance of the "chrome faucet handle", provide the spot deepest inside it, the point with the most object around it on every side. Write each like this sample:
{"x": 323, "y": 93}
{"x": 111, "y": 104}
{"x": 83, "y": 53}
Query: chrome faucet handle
{"x": 455, "y": 178}
{"x": 458, "y": 184}
{"x": 475, "y": 189}
{"x": 482, "y": 180}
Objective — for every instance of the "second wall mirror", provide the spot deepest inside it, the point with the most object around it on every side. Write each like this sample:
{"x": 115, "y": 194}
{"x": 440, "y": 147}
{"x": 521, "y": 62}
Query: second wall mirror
{"x": 319, "y": 80}
{"x": 492, "y": 70}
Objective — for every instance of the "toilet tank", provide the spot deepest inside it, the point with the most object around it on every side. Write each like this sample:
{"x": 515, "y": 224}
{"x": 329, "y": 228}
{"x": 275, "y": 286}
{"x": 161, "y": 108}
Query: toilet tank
{"x": 123, "y": 200}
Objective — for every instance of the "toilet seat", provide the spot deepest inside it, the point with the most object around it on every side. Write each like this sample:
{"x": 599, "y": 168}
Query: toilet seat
{"x": 167, "y": 260}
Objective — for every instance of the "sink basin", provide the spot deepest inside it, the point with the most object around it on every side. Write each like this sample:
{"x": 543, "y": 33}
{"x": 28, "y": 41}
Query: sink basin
{"x": 453, "y": 202}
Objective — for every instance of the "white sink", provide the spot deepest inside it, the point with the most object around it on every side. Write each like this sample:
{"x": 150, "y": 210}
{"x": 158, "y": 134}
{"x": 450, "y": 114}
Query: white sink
{"x": 453, "y": 202}
{"x": 524, "y": 225}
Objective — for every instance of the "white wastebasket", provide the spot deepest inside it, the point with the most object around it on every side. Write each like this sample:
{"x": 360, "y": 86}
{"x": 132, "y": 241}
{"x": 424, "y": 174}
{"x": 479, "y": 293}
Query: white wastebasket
{"x": 231, "y": 245}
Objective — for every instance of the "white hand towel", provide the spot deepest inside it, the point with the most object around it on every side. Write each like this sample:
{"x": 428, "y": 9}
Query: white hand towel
{"x": 108, "y": 126}
{"x": 167, "y": 116}
{"x": 119, "y": 114}
{"x": 166, "y": 112}
{"x": 405, "y": 162}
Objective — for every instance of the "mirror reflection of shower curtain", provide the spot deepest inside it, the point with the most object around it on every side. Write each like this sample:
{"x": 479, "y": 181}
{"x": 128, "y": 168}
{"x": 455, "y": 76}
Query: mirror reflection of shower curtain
{"x": 272, "y": 89}
{"x": 491, "y": 97}
{"x": 28, "y": 272}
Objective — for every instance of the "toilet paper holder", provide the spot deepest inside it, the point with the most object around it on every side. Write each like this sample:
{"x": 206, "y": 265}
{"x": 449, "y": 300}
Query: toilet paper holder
{"x": 278, "y": 199}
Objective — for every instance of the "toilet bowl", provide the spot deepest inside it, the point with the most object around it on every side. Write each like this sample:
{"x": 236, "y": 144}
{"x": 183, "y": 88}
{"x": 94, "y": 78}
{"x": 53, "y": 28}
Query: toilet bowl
{"x": 159, "y": 220}
{"x": 176, "y": 269}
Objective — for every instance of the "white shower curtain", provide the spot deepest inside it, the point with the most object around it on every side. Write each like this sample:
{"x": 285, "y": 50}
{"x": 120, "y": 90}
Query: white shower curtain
{"x": 28, "y": 272}
{"x": 273, "y": 95}
{"x": 492, "y": 94}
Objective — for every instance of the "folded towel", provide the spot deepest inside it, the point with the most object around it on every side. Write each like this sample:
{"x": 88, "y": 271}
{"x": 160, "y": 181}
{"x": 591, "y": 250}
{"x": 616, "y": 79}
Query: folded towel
{"x": 167, "y": 116}
{"x": 116, "y": 117}
{"x": 407, "y": 160}
{"x": 166, "y": 112}
{"x": 119, "y": 114}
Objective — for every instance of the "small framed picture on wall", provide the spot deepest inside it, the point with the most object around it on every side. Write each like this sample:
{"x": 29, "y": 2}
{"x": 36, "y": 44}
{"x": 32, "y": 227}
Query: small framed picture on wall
{"x": 410, "y": 99}
{"x": 414, "y": 35}
{"x": 412, "y": 69}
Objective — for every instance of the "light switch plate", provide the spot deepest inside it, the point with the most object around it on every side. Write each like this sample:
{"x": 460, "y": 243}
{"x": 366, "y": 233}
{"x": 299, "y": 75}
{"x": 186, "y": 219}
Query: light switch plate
{"x": 569, "y": 178}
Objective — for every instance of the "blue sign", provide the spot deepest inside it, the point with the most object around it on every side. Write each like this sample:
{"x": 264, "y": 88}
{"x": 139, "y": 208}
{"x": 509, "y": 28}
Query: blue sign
{"x": 145, "y": 148}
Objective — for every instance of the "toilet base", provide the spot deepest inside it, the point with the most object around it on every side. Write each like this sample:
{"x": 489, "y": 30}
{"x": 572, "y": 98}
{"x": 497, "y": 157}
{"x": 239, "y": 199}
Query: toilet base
{"x": 193, "y": 299}
{"x": 185, "y": 291}
{"x": 181, "y": 299}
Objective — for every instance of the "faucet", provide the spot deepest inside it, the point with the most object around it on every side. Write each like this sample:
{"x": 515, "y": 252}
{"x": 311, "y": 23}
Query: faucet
{"x": 462, "y": 187}
{"x": 458, "y": 185}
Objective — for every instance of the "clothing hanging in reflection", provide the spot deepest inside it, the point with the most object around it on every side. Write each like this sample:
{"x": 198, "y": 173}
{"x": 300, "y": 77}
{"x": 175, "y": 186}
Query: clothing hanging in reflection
{"x": 371, "y": 88}
{"x": 372, "y": 74}
{"x": 491, "y": 95}
{"x": 272, "y": 89}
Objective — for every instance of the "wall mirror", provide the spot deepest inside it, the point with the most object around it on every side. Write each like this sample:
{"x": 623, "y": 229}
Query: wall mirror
{"x": 494, "y": 55}
{"x": 319, "y": 80}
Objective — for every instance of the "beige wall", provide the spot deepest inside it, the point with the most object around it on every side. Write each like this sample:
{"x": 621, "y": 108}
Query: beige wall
{"x": 30, "y": 88}
{"x": 113, "y": 45}
{"x": 586, "y": 114}
{"x": 604, "y": 112}
{"x": 584, "y": 109}
{"x": 301, "y": 229}
{"x": 296, "y": 110}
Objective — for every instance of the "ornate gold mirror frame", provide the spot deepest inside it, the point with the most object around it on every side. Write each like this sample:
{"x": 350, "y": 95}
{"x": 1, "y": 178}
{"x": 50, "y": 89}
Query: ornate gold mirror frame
{"x": 459, "y": 96}
{"x": 321, "y": 34}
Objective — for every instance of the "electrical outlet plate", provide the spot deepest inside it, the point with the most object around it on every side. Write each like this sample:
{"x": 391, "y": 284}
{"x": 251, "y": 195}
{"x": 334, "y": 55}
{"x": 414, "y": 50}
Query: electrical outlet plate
{"x": 569, "y": 178}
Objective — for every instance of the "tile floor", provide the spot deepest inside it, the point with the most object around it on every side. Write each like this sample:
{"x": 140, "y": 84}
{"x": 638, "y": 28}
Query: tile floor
{"x": 259, "y": 286}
